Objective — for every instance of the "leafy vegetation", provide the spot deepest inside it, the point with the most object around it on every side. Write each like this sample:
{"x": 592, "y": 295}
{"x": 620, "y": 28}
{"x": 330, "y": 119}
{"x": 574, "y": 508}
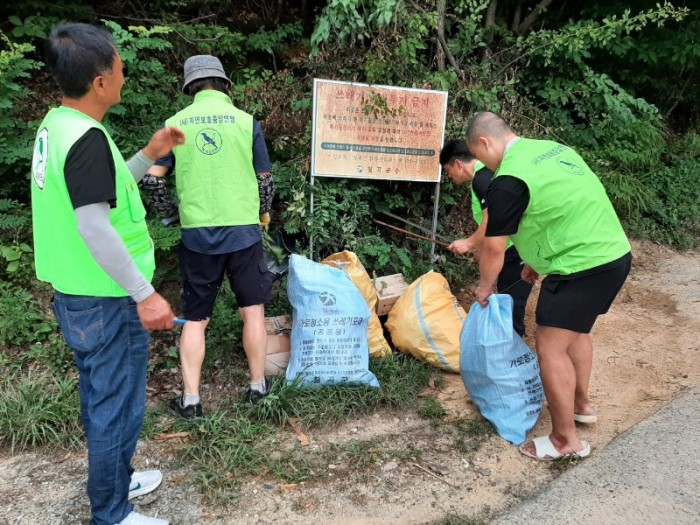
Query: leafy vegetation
{"x": 615, "y": 80}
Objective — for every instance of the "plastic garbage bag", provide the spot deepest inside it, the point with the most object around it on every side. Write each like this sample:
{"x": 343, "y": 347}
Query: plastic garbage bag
{"x": 426, "y": 322}
{"x": 275, "y": 254}
{"x": 329, "y": 327}
{"x": 500, "y": 372}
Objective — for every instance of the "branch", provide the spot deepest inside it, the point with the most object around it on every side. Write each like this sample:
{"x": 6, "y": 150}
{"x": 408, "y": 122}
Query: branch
{"x": 533, "y": 16}
{"x": 679, "y": 96}
{"x": 153, "y": 20}
{"x": 450, "y": 57}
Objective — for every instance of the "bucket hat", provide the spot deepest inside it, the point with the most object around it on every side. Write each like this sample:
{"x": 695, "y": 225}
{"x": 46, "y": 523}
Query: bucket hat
{"x": 202, "y": 66}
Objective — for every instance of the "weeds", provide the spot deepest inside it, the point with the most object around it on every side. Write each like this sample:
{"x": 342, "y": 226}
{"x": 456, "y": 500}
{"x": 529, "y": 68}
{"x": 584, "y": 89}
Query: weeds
{"x": 432, "y": 409}
{"x": 400, "y": 378}
{"x": 294, "y": 469}
{"x": 470, "y": 434}
{"x": 364, "y": 453}
{"x": 38, "y": 410}
{"x": 564, "y": 463}
{"x": 225, "y": 330}
{"x": 227, "y": 447}
{"x": 156, "y": 421}
{"x": 360, "y": 454}
{"x": 230, "y": 445}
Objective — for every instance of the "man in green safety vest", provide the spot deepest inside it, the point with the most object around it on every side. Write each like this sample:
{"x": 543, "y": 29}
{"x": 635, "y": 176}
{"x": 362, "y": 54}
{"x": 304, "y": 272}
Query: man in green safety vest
{"x": 225, "y": 188}
{"x": 461, "y": 166}
{"x": 92, "y": 244}
{"x": 546, "y": 199}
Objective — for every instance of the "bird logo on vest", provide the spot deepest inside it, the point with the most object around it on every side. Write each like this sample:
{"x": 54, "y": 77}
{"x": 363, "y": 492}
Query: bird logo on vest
{"x": 209, "y": 141}
{"x": 569, "y": 165}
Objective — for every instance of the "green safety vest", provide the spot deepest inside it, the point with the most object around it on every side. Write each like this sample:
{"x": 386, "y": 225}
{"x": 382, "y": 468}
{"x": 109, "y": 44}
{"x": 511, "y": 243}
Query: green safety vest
{"x": 570, "y": 224}
{"x": 477, "y": 212}
{"x": 215, "y": 178}
{"x": 61, "y": 256}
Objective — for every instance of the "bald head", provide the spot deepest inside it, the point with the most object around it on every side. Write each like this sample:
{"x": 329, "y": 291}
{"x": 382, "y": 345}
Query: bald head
{"x": 487, "y": 124}
{"x": 487, "y": 137}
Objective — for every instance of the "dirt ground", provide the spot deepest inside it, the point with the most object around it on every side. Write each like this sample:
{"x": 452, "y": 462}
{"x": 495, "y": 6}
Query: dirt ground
{"x": 646, "y": 351}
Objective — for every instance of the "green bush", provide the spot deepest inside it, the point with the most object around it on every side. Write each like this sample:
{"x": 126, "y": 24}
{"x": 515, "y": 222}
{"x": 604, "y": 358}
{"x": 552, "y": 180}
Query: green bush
{"x": 225, "y": 330}
{"x": 16, "y": 254}
{"x": 16, "y": 134}
{"x": 672, "y": 213}
{"x": 23, "y": 320}
{"x": 150, "y": 94}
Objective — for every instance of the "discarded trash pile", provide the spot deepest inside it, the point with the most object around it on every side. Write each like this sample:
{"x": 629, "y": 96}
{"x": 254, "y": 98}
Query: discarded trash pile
{"x": 335, "y": 329}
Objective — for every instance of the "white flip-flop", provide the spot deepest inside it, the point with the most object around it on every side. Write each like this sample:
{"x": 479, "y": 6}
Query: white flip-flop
{"x": 586, "y": 419}
{"x": 545, "y": 450}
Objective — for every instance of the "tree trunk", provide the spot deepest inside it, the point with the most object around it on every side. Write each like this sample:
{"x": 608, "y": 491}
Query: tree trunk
{"x": 533, "y": 16}
{"x": 516, "y": 17}
{"x": 440, "y": 52}
{"x": 489, "y": 23}
{"x": 491, "y": 14}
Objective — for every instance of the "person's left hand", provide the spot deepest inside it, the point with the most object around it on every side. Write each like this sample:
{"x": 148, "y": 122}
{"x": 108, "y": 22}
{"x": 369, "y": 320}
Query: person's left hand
{"x": 482, "y": 294}
{"x": 529, "y": 275}
{"x": 163, "y": 141}
{"x": 461, "y": 246}
{"x": 264, "y": 220}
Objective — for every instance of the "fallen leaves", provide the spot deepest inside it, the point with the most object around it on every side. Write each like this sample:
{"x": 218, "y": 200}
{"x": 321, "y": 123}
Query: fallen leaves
{"x": 301, "y": 437}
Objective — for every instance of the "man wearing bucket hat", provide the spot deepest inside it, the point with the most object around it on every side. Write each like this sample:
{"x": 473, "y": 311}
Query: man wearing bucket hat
{"x": 225, "y": 187}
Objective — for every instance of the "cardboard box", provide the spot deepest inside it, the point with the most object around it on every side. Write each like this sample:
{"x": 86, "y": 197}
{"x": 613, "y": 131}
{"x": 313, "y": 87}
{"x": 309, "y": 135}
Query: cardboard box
{"x": 278, "y": 344}
{"x": 389, "y": 289}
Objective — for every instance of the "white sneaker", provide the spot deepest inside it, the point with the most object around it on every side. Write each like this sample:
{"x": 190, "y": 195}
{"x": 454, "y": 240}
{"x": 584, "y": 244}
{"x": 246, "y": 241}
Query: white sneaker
{"x": 134, "y": 518}
{"x": 144, "y": 482}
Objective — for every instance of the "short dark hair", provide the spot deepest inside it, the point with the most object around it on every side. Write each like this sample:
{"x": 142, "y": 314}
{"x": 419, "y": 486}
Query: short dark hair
{"x": 76, "y": 54}
{"x": 455, "y": 149}
{"x": 218, "y": 84}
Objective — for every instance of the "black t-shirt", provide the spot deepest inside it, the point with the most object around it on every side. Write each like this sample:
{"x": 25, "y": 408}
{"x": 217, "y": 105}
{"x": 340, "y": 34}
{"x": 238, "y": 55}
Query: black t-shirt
{"x": 507, "y": 199}
{"x": 480, "y": 184}
{"x": 89, "y": 171}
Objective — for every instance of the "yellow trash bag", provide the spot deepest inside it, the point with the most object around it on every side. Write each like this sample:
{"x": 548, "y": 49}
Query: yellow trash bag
{"x": 426, "y": 322}
{"x": 350, "y": 263}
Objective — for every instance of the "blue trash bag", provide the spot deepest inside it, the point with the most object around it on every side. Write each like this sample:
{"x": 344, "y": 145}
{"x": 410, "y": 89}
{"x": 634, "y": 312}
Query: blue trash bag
{"x": 499, "y": 370}
{"x": 330, "y": 319}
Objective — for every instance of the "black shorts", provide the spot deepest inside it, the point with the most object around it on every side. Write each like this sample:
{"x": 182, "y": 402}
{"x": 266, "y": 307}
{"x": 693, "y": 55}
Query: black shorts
{"x": 575, "y": 304}
{"x": 203, "y": 274}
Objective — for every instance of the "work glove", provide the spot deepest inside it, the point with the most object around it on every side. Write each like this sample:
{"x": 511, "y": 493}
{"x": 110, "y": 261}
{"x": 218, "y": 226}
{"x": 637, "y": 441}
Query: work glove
{"x": 264, "y": 220}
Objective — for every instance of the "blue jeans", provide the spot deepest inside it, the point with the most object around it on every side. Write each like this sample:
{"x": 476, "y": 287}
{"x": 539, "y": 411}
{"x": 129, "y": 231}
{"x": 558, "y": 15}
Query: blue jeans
{"x": 111, "y": 350}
